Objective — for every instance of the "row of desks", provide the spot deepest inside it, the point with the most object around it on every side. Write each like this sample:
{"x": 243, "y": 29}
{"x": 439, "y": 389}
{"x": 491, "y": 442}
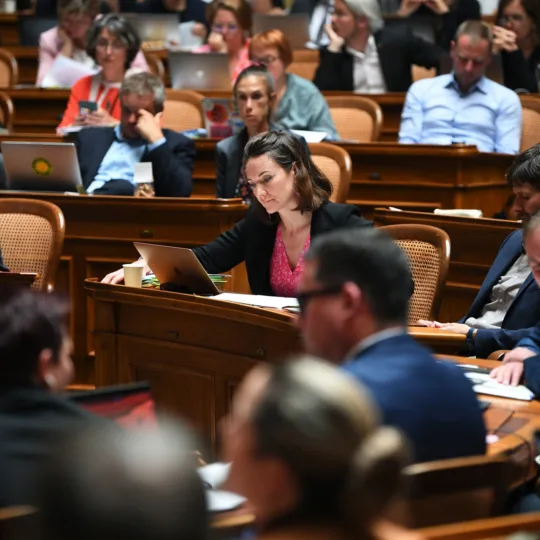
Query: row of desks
{"x": 425, "y": 176}
{"x": 194, "y": 352}
{"x": 100, "y": 232}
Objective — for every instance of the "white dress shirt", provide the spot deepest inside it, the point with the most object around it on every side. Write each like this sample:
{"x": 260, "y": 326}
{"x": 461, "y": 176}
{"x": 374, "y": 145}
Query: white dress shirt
{"x": 367, "y": 73}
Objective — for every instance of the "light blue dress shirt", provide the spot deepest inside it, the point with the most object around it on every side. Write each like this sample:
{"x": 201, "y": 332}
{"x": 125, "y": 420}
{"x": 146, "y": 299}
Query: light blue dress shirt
{"x": 436, "y": 112}
{"x": 119, "y": 161}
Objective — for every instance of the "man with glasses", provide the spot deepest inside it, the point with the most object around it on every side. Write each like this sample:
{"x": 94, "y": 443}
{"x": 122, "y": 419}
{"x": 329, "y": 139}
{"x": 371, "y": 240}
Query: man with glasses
{"x": 107, "y": 155}
{"x": 464, "y": 107}
{"x": 353, "y": 295}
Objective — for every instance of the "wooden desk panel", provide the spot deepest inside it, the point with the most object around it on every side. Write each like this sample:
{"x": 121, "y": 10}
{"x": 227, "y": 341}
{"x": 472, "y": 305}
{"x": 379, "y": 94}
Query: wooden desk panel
{"x": 27, "y": 61}
{"x": 9, "y": 29}
{"x": 100, "y": 232}
{"x": 475, "y": 243}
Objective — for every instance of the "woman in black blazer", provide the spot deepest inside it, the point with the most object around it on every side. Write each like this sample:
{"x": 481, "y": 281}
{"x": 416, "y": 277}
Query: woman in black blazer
{"x": 518, "y": 40}
{"x": 290, "y": 207}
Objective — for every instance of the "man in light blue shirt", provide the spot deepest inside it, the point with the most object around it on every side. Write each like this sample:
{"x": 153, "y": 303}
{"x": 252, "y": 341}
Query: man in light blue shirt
{"x": 464, "y": 107}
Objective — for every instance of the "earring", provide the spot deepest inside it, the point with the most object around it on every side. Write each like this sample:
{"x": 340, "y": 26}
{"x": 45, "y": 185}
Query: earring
{"x": 50, "y": 380}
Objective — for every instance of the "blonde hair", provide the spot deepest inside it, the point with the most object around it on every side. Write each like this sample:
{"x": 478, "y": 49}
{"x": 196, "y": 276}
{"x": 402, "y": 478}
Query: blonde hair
{"x": 370, "y": 9}
{"x": 325, "y": 427}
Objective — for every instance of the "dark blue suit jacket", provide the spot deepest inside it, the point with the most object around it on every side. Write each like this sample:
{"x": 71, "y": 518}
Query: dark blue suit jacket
{"x": 2, "y": 267}
{"x": 524, "y": 312}
{"x": 172, "y": 162}
{"x": 432, "y": 403}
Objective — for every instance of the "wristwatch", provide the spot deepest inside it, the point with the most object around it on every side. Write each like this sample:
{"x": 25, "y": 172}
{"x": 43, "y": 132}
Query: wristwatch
{"x": 471, "y": 334}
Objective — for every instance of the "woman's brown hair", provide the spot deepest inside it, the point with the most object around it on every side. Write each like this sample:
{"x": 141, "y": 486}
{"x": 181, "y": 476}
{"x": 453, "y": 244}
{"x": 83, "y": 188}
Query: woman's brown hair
{"x": 239, "y": 8}
{"x": 311, "y": 187}
{"x": 531, "y": 7}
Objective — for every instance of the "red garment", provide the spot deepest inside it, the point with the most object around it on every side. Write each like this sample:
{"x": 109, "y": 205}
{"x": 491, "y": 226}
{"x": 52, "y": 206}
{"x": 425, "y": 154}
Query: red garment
{"x": 81, "y": 92}
{"x": 283, "y": 280}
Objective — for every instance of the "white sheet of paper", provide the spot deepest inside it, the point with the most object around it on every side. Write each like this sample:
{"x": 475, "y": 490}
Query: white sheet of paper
{"x": 143, "y": 173}
{"x": 462, "y": 212}
{"x": 311, "y": 136}
{"x": 277, "y": 302}
{"x": 65, "y": 72}
{"x": 489, "y": 386}
{"x": 187, "y": 40}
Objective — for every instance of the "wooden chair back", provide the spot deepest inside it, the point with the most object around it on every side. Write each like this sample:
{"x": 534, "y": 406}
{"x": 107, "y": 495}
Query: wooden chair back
{"x": 428, "y": 250}
{"x": 484, "y": 529}
{"x": 419, "y": 73}
{"x": 305, "y": 63}
{"x": 530, "y": 130}
{"x": 9, "y": 70}
{"x": 183, "y": 110}
{"x": 453, "y": 490}
{"x": 155, "y": 65}
{"x": 336, "y": 164}
{"x": 356, "y": 118}
{"x": 7, "y": 111}
{"x": 31, "y": 238}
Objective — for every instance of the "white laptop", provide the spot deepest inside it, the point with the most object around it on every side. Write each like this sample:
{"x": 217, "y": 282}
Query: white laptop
{"x": 36, "y": 166}
{"x": 152, "y": 27}
{"x": 177, "y": 266}
{"x": 295, "y": 26}
{"x": 204, "y": 71}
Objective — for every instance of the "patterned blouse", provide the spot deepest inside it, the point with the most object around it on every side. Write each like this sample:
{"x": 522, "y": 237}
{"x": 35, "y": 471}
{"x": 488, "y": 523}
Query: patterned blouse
{"x": 283, "y": 280}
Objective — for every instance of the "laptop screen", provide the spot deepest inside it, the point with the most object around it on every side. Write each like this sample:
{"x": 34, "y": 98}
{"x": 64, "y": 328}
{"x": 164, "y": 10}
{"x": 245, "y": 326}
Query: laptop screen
{"x": 129, "y": 405}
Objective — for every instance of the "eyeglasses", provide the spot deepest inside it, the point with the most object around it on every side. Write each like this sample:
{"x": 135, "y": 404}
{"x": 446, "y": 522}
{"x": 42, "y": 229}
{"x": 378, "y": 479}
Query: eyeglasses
{"x": 221, "y": 27}
{"x": 304, "y": 297}
{"x": 265, "y": 60}
{"x": 115, "y": 45}
{"x": 515, "y": 17}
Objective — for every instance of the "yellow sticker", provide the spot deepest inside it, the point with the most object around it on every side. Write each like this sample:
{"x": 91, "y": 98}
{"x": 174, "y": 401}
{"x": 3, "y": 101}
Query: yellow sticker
{"x": 41, "y": 166}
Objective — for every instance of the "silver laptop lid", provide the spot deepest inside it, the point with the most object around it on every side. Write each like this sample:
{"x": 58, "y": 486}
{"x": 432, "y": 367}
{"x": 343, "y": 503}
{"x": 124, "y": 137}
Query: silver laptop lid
{"x": 36, "y": 166}
{"x": 152, "y": 27}
{"x": 204, "y": 71}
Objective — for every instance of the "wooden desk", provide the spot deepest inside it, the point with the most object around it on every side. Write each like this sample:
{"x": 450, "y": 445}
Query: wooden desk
{"x": 9, "y": 29}
{"x": 475, "y": 243}
{"x": 100, "y": 232}
{"x": 441, "y": 341}
{"x": 27, "y": 61}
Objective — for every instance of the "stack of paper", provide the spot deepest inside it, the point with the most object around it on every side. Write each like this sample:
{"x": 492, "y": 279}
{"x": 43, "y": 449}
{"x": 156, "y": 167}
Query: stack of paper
{"x": 276, "y": 302}
{"x": 484, "y": 384}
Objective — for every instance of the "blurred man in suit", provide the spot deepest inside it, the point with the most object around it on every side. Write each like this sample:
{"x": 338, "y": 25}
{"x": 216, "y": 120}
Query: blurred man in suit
{"x": 107, "y": 155}
{"x": 508, "y": 303}
{"x": 353, "y": 296}
{"x": 110, "y": 483}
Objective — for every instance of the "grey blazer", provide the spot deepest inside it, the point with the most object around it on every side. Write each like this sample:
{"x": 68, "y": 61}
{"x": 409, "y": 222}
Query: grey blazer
{"x": 229, "y": 153}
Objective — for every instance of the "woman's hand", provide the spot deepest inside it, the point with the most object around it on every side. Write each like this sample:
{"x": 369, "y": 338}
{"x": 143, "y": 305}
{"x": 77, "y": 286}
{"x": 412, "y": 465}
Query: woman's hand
{"x": 336, "y": 42}
{"x": 504, "y": 40}
{"x": 408, "y": 7}
{"x": 217, "y": 43}
{"x": 98, "y": 118}
{"x": 116, "y": 277}
{"x": 66, "y": 44}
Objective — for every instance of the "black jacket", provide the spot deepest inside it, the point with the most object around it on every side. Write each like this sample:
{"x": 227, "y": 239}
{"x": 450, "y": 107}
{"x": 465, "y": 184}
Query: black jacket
{"x": 31, "y": 421}
{"x": 172, "y": 162}
{"x": 252, "y": 241}
{"x": 520, "y": 73}
{"x": 398, "y": 50}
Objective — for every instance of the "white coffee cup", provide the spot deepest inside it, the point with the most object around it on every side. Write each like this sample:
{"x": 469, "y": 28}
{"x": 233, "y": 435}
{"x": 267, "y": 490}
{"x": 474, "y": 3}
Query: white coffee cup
{"x": 133, "y": 274}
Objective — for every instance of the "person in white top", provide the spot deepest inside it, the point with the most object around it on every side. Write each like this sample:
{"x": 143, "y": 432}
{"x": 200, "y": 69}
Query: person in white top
{"x": 364, "y": 56}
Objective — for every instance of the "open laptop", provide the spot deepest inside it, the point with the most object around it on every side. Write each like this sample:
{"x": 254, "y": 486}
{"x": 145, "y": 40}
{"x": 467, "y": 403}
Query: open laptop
{"x": 494, "y": 70}
{"x": 295, "y": 26}
{"x": 128, "y": 404}
{"x": 178, "y": 267}
{"x": 36, "y": 166}
{"x": 204, "y": 71}
{"x": 152, "y": 27}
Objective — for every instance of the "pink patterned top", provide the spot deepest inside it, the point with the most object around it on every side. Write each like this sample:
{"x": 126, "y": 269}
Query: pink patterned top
{"x": 283, "y": 280}
{"x": 243, "y": 58}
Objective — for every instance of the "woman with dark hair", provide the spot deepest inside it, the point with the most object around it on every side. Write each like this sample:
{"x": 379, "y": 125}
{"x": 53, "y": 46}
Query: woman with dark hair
{"x": 311, "y": 436}
{"x": 290, "y": 206}
{"x": 517, "y": 39}
{"x": 255, "y": 98}
{"x": 113, "y": 43}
